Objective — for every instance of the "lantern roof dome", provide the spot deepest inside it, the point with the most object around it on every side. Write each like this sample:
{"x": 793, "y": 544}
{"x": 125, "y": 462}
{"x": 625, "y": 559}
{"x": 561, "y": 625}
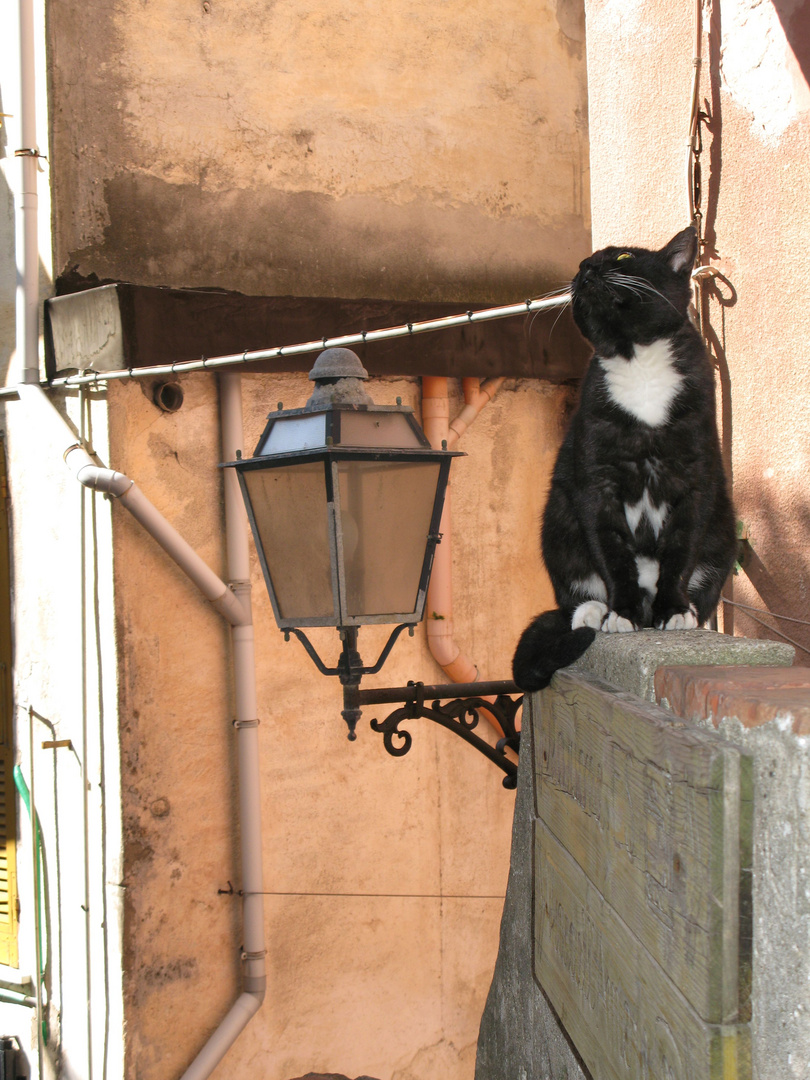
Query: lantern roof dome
{"x": 337, "y": 364}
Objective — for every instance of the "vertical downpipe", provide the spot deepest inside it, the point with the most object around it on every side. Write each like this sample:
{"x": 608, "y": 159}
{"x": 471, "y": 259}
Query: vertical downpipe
{"x": 247, "y": 750}
{"x": 247, "y": 724}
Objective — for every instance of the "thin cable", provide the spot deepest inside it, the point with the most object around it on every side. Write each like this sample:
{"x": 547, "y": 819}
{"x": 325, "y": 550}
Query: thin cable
{"x": 765, "y": 611}
{"x": 364, "y": 337}
{"x": 374, "y": 896}
{"x": 773, "y": 629}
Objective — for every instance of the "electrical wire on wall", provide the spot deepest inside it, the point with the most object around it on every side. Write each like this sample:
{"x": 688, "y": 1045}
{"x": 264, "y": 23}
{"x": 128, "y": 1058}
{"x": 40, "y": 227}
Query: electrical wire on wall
{"x": 693, "y": 171}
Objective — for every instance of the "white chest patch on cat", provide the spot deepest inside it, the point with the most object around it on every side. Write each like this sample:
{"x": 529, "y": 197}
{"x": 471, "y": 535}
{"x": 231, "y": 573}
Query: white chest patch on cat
{"x": 646, "y": 385}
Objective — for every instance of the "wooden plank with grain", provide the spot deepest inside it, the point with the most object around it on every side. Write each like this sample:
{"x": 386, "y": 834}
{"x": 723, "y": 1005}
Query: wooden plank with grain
{"x": 625, "y": 1016}
{"x": 656, "y": 817}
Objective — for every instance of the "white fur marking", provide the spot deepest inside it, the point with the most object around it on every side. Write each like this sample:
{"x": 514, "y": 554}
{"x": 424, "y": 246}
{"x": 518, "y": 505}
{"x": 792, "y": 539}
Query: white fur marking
{"x": 648, "y": 570}
{"x": 647, "y": 384}
{"x": 593, "y": 588}
{"x": 686, "y": 621}
{"x": 699, "y": 577}
{"x": 656, "y": 515}
{"x": 616, "y": 624}
{"x": 633, "y": 515}
{"x": 590, "y": 614}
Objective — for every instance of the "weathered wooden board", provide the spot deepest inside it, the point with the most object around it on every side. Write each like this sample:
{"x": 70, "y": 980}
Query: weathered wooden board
{"x": 624, "y": 1015}
{"x": 654, "y": 818}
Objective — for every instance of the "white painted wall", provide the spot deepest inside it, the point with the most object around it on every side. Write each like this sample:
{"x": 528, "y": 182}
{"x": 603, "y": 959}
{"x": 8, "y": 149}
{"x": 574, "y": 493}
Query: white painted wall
{"x": 65, "y": 676}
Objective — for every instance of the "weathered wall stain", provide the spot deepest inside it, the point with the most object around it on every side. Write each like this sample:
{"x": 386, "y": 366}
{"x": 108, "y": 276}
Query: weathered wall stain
{"x": 419, "y": 152}
{"x": 267, "y": 242}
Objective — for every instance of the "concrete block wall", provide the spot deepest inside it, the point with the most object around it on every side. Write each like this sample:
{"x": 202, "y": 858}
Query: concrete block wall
{"x": 521, "y": 1037}
{"x": 767, "y": 711}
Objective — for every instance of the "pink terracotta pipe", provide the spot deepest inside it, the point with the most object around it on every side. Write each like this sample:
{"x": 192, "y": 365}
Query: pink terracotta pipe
{"x": 437, "y": 427}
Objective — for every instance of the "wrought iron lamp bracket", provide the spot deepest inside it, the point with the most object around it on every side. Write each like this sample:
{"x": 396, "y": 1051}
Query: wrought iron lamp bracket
{"x": 460, "y": 713}
{"x": 349, "y": 665}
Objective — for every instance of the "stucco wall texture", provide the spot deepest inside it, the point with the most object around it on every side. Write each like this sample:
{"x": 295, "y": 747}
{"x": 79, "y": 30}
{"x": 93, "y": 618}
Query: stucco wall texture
{"x": 385, "y": 876}
{"x": 412, "y": 151}
{"x": 757, "y": 227}
{"x": 408, "y": 151}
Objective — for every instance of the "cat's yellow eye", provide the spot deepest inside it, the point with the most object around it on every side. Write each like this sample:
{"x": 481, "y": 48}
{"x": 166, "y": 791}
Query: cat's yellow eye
{"x": 624, "y": 255}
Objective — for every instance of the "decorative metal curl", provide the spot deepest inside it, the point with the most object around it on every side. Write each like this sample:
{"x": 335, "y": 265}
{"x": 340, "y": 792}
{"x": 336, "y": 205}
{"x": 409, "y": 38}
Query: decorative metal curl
{"x": 390, "y": 731}
{"x": 459, "y": 715}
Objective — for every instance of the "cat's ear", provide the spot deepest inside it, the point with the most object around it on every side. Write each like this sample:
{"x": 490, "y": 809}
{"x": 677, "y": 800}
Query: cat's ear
{"x": 681, "y": 251}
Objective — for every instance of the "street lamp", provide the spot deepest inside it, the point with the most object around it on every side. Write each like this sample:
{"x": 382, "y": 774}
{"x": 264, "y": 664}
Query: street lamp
{"x": 344, "y": 499}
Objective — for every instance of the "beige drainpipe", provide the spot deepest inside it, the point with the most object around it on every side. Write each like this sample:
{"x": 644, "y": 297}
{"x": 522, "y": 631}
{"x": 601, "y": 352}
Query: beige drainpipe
{"x": 437, "y": 427}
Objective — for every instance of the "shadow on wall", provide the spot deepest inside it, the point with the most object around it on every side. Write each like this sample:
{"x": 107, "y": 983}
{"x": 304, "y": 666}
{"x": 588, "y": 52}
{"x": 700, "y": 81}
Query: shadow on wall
{"x": 778, "y": 569}
{"x": 794, "y": 16}
{"x": 776, "y": 566}
{"x": 713, "y": 122}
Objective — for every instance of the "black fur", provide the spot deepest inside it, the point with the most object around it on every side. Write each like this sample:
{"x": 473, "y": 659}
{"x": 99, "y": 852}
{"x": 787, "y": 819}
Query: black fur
{"x": 628, "y": 484}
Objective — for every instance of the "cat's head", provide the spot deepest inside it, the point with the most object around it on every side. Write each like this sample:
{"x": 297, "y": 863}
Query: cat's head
{"x": 626, "y": 296}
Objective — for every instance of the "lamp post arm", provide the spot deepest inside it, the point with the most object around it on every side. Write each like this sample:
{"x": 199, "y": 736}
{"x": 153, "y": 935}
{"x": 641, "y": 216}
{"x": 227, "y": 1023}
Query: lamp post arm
{"x": 460, "y": 713}
{"x": 411, "y": 692}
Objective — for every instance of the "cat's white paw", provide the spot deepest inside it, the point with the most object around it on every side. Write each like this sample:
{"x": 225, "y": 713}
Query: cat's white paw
{"x": 591, "y": 613}
{"x": 616, "y": 624}
{"x": 685, "y": 621}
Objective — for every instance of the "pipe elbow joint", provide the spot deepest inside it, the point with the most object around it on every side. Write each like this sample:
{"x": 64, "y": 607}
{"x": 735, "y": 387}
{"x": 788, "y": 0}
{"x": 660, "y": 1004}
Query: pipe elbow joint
{"x": 106, "y": 480}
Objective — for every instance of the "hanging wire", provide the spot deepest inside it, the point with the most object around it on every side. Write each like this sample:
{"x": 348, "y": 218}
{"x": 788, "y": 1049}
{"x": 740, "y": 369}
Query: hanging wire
{"x": 749, "y": 610}
{"x": 693, "y": 175}
{"x": 765, "y": 611}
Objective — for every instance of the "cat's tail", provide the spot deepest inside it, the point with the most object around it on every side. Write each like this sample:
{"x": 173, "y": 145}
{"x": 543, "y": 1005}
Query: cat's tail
{"x": 547, "y": 644}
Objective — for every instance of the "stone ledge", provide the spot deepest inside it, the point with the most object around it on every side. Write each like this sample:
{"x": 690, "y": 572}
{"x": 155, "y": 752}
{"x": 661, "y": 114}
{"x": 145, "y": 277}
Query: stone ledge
{"x": 630, "y": 661}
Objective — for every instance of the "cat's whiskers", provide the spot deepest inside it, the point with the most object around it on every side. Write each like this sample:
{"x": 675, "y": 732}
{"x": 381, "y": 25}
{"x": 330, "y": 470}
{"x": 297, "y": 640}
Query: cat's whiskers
{"x": 562, "y": 311}
{"x": 638, "y": 285}
{"x": 554, "y": 293}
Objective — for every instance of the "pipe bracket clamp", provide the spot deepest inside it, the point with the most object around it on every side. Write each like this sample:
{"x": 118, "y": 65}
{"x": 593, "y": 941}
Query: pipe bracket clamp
{"x": 253, "y": 955}
{"x": 238, "y": 724}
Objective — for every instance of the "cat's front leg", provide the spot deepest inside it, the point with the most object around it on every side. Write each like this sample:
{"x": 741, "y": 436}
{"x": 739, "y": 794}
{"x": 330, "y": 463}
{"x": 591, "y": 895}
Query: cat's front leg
{"x": 672, "y": 607}
{"x": 674, "y": 612}
{"x": 619, "y": 569}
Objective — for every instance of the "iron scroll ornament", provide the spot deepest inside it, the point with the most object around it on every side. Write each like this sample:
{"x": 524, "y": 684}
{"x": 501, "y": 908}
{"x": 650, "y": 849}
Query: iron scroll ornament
{"x": 459, "y": 715}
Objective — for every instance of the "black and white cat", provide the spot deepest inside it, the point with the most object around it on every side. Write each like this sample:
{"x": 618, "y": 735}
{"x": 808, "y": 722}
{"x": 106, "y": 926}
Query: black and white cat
{"x": 639, "y": 529}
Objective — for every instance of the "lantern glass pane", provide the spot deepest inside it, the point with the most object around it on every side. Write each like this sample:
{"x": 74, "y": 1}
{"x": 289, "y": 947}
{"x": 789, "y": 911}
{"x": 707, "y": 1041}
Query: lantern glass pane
{"x": 385, "y": 513}
{"x": 294, "y": 433}
{"x": 384, "y": 429}
{"x": 290, "y": 511}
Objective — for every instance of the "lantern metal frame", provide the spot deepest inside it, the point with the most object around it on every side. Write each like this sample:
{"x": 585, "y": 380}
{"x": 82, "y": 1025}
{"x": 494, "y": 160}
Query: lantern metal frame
{"x": 330, "y": 455}
{"x": 315, "y": 435}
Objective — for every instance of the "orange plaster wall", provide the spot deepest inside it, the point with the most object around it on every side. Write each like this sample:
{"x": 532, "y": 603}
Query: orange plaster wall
{"x": 757, "y": 226}
{"x": 385, "y": 876}
{"x": 414, "y": 152}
